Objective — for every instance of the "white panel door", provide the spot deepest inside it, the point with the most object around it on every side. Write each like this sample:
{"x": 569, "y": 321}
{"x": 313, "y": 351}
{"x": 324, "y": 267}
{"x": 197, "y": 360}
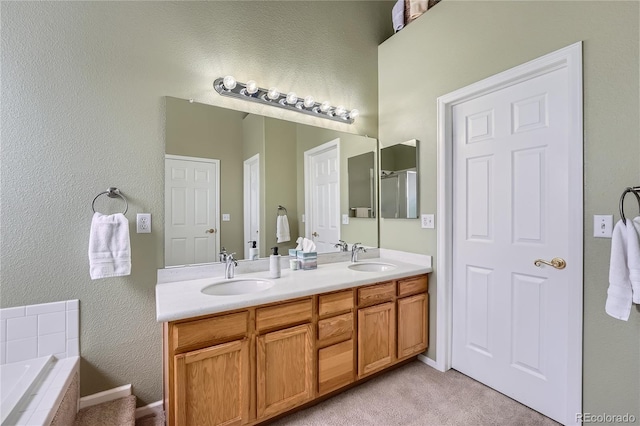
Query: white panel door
{"x": 251, "y": 202}
{"x": 191, "y": 211}
{"x": 323, "y": 204}
{"x": 510, "y": 203}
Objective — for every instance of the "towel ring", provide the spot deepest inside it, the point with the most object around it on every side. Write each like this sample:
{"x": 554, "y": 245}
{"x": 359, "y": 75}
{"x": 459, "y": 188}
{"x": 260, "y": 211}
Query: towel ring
{"x": 282, "y": 208}
{"x": 112, "y": 192}
{"x": 626, "y": 191}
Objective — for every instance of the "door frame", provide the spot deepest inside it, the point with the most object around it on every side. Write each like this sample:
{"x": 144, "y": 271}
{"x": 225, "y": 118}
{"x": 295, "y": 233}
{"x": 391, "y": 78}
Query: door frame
{"x": 216, "y": 200}
{"x": 246, "y": 168}
{"x": 308, "y": 177}
{"x": 570, "y": 58}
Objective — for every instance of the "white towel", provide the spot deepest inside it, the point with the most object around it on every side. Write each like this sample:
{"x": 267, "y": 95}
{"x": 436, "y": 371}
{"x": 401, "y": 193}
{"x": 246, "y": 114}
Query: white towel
{"x": 397, "y": 16}
{"x": 282, "y": 229}
{"x": 633, "y": 258}
{"x": 624, "y": 269}
{"x": 417, "y": 8}
{"x": 109, "y": 246}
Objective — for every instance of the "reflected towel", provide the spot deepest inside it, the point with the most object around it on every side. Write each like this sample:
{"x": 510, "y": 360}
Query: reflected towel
{"x": 282, "y": 229}
{"x": 362, "y": 212}
{"x": 397, "y": 16}
{"x": 417, "y": 8}
{"x": 109, "y": 246}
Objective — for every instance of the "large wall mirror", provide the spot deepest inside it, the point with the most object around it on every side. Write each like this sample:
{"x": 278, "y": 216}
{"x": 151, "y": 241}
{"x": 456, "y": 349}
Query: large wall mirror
{"x": 230, "y": 176}
{"x": 399, "y": 181}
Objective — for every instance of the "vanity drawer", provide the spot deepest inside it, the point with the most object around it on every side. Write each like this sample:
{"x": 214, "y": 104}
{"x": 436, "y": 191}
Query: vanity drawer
{"x": 335, "y": 302}
{"x": 206, "y": 332}
{"x": 336, "y": 328}
{"x": 282, "y": 315}
{"x": 413, "y": 285}
{"x": 378, "y": 293}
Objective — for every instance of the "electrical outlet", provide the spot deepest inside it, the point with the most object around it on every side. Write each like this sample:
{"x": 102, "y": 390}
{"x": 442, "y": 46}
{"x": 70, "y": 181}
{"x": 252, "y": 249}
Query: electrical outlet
{"x": 427, "y": 221}
{"x": 602, "y": 226}
{"x": 226, "y": 217}
{"x": 345, "y": 219}
{"x": 143, "y": 223}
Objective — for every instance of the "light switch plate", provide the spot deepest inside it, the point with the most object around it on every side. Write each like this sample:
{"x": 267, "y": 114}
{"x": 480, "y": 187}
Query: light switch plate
{"x": 345, "y": 219}
{"x": 602, "y": 226}
{"x": 226, "y": 217}
{"x": 427, "y": 221}
{"x": 143, "y": 223}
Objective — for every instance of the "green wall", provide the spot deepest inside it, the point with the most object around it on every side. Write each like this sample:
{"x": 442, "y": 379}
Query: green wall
{"x": 458, "y": 43}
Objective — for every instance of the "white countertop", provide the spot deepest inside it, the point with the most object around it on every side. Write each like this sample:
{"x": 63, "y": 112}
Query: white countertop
{"x": 183, "y": 299}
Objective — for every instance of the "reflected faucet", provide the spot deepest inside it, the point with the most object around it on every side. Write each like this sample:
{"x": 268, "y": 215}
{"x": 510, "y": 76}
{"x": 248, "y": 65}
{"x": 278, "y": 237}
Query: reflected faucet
{"x": 342, "y": 245}
{"x": 222, "y": 256}
{"x": 230, "y": 266}
{"x": 355, "y": 249}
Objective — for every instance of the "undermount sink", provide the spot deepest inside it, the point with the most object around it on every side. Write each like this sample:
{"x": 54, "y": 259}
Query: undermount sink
{"x": 234, "y": 287}
{"x": 371, "y": 266}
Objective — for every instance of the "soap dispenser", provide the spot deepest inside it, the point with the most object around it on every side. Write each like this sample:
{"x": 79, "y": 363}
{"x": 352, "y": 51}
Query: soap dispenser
{"x": 254, "y": 254}
{"x": 274, "y": 263}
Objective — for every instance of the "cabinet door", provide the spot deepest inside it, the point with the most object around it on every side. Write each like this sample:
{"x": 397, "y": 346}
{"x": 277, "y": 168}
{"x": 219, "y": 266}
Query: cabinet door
{"x": 335, "y": 366}
{"x": 212, "y": 385}
{"x": 284, "y": 369}
{"x": 412, "y": 325}
{"x": 376, "y": 338}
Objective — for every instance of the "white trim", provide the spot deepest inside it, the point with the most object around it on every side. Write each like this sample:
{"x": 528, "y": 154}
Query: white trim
{"x": 216, "y": 162}
{"x": 570, "y": 58}
{"x": 105, "y": 396}
{"x": 246, "y": 193}
{"x": 332, "y": 144}
{"x": 430, "y": 362}
{"x": 155, "y": 408}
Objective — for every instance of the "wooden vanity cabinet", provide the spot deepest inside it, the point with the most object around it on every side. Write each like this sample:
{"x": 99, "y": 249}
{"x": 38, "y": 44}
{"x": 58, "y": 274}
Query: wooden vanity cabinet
{"x": 247, "y": 366}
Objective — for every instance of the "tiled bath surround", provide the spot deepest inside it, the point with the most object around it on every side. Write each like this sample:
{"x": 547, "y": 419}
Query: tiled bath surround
{"x": 33, "y": 331}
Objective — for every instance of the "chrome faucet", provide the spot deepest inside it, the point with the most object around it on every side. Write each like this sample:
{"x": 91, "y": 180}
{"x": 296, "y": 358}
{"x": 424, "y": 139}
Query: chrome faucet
{"x": 230, "y": 266}
{"x": 355, "y": 249}
{"x": 222, "y": 256}
{"x": 342, "y": 245}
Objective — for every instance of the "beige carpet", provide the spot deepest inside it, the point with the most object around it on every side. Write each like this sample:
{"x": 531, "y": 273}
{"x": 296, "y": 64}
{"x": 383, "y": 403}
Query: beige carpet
{"x": 418, "y": 395}
{"x": 119, "y": 412}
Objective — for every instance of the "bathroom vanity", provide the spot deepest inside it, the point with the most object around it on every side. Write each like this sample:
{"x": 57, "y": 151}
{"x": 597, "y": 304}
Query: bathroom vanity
{"x": 243, "y": 359}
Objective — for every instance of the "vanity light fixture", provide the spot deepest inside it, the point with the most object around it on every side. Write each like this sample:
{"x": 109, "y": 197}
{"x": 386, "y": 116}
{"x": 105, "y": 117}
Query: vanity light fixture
{"x": 249, "y": 91}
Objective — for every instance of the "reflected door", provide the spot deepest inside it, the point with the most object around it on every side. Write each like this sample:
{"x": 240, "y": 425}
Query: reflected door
{"x": 191, "y": 210}
{"x": 322, "y": 174}
{"x": 511, "y": 162}
{"x": 251, "y": 187}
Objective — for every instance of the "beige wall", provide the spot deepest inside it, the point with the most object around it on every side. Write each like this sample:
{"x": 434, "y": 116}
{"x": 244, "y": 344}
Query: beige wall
{"x": 458, "y": 43}
{"x": 204, "y": 131}
{"x": 83, "y": 87}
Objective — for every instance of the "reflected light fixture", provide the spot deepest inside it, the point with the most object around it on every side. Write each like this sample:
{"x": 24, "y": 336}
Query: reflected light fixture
{"x": 249, "y": 91}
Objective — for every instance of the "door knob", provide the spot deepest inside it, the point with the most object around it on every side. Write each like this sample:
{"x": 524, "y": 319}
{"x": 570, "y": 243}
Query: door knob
{"x": 210, "y": 231}
{"x": 315, "y": 234}
{"x": 556, "y": 262}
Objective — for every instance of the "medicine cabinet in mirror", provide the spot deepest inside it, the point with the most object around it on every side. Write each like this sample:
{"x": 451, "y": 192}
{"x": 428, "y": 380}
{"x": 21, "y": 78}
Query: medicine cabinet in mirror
{"x": 399, "y": 181}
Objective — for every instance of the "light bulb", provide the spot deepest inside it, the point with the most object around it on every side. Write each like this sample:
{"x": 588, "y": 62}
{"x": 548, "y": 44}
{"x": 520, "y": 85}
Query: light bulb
{"x": 273, "y": 93}
{"x": 354, "y": 113}
{"x": 229, "y": 82}
{"x": 340, "y": 111}
{"x": 292, "y": 98}
{"x": 325, "y": 106}
{"x": 252, "y": 87}
{"x": 309, "y": 101}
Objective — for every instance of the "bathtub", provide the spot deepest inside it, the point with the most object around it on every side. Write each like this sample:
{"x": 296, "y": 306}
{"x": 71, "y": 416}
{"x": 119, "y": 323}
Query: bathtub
{"x": 32, "y": 391}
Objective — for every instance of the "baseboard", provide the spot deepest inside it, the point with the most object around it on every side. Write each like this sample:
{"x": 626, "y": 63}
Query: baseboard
{"x": 105, "y": 396}
{"x": 154, "y": 408}
{"x": 429, "y": 362}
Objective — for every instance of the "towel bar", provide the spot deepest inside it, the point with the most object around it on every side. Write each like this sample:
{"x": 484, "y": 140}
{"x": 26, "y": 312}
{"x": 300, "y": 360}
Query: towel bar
{"x": 112, "y": 192}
